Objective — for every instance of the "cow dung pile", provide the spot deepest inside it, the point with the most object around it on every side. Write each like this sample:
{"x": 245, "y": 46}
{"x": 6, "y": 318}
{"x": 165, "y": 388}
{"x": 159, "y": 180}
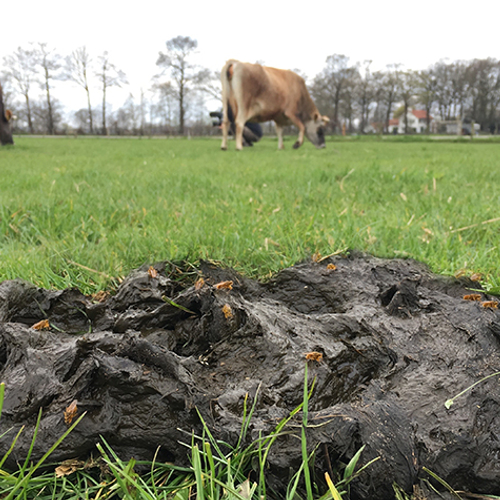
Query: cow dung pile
{"x": 396, "y": 343}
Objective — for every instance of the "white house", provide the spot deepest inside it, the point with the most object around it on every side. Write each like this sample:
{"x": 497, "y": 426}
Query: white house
{"x": 417, "y": 123}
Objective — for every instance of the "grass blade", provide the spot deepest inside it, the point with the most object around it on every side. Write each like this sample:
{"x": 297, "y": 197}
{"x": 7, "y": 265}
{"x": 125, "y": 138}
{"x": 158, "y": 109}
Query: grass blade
{"x": 198, "y": 473}
{"x": 450, "y": 401}
{"x": 349, "y": 470}
{"x": 4, "y": 458}
{"x": 305, "y": 458}
{"x": 443, "y": 482}
{"x": 26, "y": 478}
{"x": 335, "y": 494}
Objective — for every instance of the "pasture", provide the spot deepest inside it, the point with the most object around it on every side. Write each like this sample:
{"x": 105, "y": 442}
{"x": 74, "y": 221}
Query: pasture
{"x": 83, "y": 212}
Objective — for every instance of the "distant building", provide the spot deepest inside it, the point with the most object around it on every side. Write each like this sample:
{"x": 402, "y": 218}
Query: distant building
{"x": 457, "y": 127}
{"x": 393, "y": 125}
{"x": 417, "y": 124}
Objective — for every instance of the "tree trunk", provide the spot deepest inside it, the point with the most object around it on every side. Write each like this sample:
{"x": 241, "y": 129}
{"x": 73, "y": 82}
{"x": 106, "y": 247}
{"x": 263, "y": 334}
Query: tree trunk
{"x": 362, "y": 125}
{"x": 49, "y": 105}
{"x": 388, "y": 116}
{"x": 104, "y": 131}
{"x": 181, "y": 109}
{"x": 336, "y": 110}
{"x": 406, "y": 117}
{"x": 28, "y": 113}
{"x": 91, "y": 124}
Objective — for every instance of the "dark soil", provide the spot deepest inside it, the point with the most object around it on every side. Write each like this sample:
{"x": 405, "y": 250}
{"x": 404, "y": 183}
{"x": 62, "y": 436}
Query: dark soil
{"x": 397, "y": 342}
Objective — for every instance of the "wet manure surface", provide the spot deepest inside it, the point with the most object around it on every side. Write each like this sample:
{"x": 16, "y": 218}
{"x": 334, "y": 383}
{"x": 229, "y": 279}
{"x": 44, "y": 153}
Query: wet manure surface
{"x": 396, "y": 343}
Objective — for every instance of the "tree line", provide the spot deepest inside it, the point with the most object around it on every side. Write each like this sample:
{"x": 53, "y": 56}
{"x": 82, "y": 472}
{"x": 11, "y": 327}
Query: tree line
{"x": 352, "y": 94}
{"x": 355, "y": 98}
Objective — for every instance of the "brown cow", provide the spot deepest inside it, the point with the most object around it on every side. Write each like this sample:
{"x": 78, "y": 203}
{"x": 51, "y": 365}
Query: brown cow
{"x": 258, "y": 94}
{"x": 5, "y": 126}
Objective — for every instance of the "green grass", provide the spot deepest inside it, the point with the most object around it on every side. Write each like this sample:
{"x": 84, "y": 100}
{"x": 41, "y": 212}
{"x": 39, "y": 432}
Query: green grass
{"x": 112, "y": 205}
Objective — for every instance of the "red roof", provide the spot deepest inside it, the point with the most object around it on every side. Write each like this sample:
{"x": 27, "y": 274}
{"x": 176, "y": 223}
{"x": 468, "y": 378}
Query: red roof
{"x": 420, "y": 113}
{"x": 393, "y": 121}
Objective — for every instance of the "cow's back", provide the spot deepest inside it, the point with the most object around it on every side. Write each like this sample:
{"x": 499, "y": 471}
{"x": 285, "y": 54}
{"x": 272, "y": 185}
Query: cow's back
{"x": 296, "y": 97}
{"x": 267, "y": 92}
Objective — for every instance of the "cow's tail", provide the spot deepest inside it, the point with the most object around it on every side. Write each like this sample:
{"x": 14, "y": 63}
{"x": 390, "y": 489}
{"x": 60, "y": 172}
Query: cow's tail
{"x": 226, "y": 77}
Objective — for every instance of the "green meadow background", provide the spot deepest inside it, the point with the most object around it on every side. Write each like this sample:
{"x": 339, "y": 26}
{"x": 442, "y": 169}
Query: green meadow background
{"x": 85, "y": 211}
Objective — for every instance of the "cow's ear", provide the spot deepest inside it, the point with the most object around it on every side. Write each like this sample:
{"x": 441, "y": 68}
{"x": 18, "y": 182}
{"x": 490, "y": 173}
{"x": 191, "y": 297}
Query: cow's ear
{"x": 8, "y": 114}
{"x": 316, "y": 116}
{"x": 325, "y": 119}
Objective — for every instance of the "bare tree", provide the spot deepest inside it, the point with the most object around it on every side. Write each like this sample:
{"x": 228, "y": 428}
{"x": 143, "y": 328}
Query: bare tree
{"x": 165, "y": 103}
{"x": 109, "y": 76}
{"x": 128, "y": 117}
{"x": 379, "y": 114}
{"x": 390, "y": 90}
{"x": 329, "y": 85}
{"x": 142, "y": 112}
{"x": 208, "y": 81}
{"x": 459, "y": 87}
{"x": 494, "y": 109}
{"x": 42, "y": 115}
{"x": 49, "y": 61}
{"x": 78, "y": 65}
{"x": 81, "y": 119}
{"x": 444, "y": 89}
{"x": 408, "y": 84}
{"x": 185, "y": 75}
{"x": 364, "y": 94}
{"x": 20, "y": 68}
{"x": 483, "y": 77}
{"x": 348, "y": 99}
{"x": 426, "y": 91}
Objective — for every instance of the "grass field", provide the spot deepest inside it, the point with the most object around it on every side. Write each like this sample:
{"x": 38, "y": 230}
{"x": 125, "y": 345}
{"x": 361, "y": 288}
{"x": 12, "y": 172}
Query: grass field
{"x": 111, "y": 205}
{"x": 82, "y": 212}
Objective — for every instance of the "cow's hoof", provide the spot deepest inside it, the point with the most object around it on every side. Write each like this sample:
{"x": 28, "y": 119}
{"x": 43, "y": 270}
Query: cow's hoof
{"x": 223, "y": 148}
{"x": 296, "y": 145}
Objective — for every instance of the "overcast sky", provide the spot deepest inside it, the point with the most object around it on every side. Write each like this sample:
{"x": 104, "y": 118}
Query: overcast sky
{"x": 281, "y": 34}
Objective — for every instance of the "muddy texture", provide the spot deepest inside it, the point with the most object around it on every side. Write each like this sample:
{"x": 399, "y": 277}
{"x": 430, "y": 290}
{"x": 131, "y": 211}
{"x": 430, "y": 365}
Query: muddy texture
{"x": 397, "y": 342}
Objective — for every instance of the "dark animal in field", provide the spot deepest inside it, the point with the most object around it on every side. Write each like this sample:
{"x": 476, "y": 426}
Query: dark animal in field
{"x": 251, "y": 133}
{"x": 5, "y": 123}
{"x": 258, "y": 94}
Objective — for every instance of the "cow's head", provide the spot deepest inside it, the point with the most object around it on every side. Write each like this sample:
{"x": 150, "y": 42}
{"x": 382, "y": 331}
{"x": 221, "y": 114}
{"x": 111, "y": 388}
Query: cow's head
{"x": 315, "y": 130}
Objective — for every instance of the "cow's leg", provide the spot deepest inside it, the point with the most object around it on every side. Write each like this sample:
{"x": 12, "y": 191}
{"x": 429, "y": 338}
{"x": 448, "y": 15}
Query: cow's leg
{"x": 300, "y": 140}
{"x": 225, "y": 126}
{"x": 301, "y": 128}
{"x": 240, "y": 126}
{"x": 279, "y": 133}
